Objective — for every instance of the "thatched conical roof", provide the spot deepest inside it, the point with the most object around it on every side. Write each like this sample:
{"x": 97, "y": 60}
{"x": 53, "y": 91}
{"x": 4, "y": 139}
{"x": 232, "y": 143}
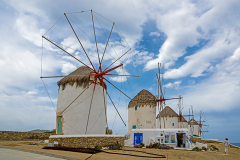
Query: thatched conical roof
{"x": 80, "y": 76}
{"x": 168, "y": 112}
{"x": 183, "y": 120}
{"x": 192, "y": 122}
{"x": 144, "y": 97}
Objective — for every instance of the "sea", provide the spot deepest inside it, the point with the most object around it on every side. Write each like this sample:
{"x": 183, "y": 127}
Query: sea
{"x": 236, "y": 144}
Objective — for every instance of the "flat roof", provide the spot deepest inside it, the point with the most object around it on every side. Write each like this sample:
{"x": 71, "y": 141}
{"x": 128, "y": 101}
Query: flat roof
{"x": 84, "y": 135}
{"x": 166, "y": 129}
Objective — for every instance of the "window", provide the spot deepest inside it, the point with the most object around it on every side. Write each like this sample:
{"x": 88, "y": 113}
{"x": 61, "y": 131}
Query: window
{"x": 161, "y": 134}
{"x": 172, "y": 124}
{"x": 172, "y": 139}
{"x": 59, "y": 128}
{"x": 135, "y": 108}
{"x": 161, "y": 141}
{"x": 134, "y": 127}
{"x": 166, "y": 138}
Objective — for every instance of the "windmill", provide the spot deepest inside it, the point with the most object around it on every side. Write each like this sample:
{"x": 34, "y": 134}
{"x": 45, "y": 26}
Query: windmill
{"x": 200, "y": 122}
{"x": 96, "y": 70}
{"x": 190, "y": 123}
{"x": 160, "y": 97}
{"x": 181, "y": 116}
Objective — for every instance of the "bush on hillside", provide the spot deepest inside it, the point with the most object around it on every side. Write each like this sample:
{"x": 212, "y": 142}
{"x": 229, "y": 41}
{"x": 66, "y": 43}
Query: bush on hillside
{"x": 98, "y": 147}
{"x": 213, "y": 148}
{"x": 204, "y": 148}
{"x": 114, "y": 146}
{"x": 195, "y": 149}
{"x": 139, "y": 145}
{"x": 157, "y": 145}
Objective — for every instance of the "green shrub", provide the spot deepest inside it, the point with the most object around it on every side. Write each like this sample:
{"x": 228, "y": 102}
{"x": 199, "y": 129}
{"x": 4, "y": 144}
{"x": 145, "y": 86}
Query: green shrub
{"x": 204, "y": 148}
{"x": 114, "y": 146}
{"x": 195, "y": 149}
{"x": 108, "y": 131}
{"x": 52, "y": 131}
{"x": 158, "y": 146}
{"x": 98, "y": 147}
{"x": 213, "y": 148}
{"x": 142, "y": 144}
{"x": 119, "y": 145}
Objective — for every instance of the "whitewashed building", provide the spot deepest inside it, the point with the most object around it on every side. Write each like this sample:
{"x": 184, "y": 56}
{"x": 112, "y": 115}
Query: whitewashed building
{"x": 193, "y": 127}
{"x": 182, "y": 123}
{"x": 75, "y": 96}
{"x": 142, "y": 111}
{"x": 167, "y": 118}
{"x": 174, "y": 137}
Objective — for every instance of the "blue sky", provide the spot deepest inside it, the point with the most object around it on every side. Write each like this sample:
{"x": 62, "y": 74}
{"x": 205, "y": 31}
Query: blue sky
{"x": 197, "y": 44}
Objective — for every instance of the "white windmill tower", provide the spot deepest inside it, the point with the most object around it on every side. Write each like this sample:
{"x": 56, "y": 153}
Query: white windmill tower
{"x": 82, "y": 96}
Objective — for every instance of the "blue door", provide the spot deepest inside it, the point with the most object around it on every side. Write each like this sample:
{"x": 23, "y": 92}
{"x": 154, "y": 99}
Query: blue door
{"x": 138, "y": 138}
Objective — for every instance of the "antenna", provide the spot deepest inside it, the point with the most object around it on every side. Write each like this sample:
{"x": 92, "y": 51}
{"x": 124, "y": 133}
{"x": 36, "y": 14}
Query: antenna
{"x": 180, "y": 113}
{"x": 161, "y": 92}
{"x": 201, "y": 131}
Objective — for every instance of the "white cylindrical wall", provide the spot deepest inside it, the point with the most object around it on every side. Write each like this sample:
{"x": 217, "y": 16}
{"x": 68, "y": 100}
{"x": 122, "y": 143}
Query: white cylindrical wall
{"x": 144, "y": 117}
{"x": 167, "y": 122}
{"x": 182, "y": 125}
{"x": 74, "y": 119}
{"x": 194, "y": 130}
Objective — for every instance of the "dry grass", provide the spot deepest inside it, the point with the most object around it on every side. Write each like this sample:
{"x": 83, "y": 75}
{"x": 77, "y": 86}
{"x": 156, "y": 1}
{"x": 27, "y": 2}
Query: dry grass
{"x": 234, "y": 153}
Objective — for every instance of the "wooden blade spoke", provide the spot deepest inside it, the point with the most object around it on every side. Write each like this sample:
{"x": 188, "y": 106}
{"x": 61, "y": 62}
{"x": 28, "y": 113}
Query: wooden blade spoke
{"x": 53, "y": 77}
{"x": 115, "y": 108}
{"x": 64, "y": 76}
{"x": 90, "y": 108}
{"x": 79, "y": 41}
{"x": 93, "y": 81}
{"x": 117, "y": 88}
{"x": 74, "y": 100}
{"x": 112, "y": 69}
{"x": 95, "y": 37}
{"x": 106, "y": 47}
{"x": 117, "y": 59}
{"x": 101, "y": 80}
{"x": 105, "y": 106}
{"x": 121, "y": 75}
{"x": 67, "y": 53}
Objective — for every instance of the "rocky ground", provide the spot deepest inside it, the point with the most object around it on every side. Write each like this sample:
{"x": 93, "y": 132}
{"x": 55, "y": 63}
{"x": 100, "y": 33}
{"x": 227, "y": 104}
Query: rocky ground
{"x": 234, "y": 153}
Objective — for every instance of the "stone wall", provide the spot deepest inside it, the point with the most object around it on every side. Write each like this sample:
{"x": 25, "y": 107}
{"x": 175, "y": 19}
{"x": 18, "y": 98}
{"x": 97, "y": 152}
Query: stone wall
{"x": 87, "y": 141}
{"x": 19, "y": 136}
{"x": 211, "y": 141}
{"x": 196, "y": 139}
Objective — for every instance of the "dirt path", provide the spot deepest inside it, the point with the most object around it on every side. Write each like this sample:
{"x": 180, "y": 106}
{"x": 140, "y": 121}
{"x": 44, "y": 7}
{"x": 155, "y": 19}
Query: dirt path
{"x": 234, "y": 153}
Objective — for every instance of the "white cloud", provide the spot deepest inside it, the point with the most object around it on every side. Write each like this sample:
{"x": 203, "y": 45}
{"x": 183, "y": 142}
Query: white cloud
{"x": 26, "y": 112}
{"x": 68, "y": 68}
{"x": 157, "y": 34}
{"x": 201, "y": 61}
{"x": 179, "y": 25}
{"x": 28, "y": 28}
{"x": 32, "y": 92}
{"x": 175, "y": 84}
{"x": 220, "y": 91}
{"x": 185, "y": 24}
